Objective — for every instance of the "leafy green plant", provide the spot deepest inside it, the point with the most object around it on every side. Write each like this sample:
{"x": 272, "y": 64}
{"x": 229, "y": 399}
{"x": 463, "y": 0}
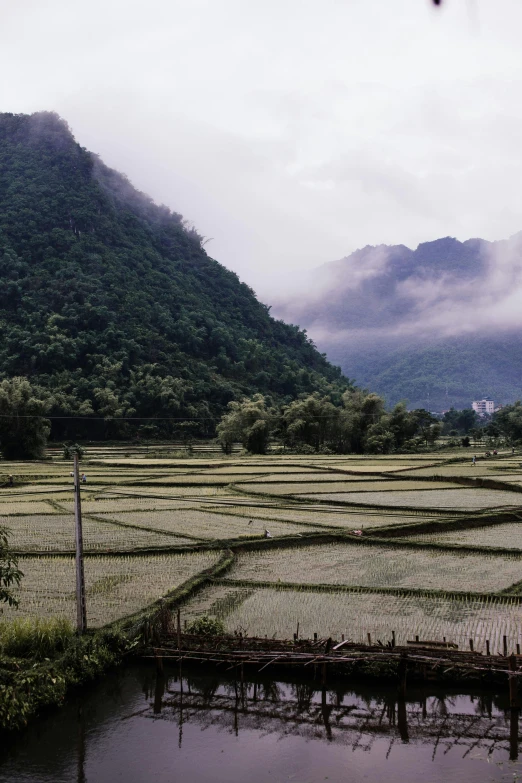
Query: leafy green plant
{"x": 70, "y": 449}
{"x": 10, "y": 574}
{"x": 207, "y": 626}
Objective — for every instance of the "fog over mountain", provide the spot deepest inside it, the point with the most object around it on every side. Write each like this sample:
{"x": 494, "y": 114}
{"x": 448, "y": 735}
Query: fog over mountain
{"x": 438, "y": 326}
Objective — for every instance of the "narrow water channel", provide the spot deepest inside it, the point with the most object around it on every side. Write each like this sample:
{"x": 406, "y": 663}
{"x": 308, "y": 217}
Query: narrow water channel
{"x": 136, "y": 727}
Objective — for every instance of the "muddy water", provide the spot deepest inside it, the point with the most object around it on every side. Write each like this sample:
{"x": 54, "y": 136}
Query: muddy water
{"x": 135, "y": 727}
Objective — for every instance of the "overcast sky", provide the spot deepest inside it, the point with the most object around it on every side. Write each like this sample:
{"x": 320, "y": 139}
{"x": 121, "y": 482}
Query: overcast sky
{"x": 289, "y": 131}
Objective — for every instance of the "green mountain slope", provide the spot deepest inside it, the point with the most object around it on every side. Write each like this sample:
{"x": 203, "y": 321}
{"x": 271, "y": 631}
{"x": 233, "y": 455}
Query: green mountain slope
{"x": 112, "y": 306}
{"x": 452, "y": 372}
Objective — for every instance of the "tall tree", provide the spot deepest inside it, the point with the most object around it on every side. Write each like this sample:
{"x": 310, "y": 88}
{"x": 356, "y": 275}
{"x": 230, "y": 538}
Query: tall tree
{"x": 23, "y": 428}
{"x": 249, "y": 422}
{"x": 507, "y": 421}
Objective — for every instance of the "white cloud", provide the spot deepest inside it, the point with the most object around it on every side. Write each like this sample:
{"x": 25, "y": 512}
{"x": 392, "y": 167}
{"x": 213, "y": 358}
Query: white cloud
{"x": 291, "y": 131}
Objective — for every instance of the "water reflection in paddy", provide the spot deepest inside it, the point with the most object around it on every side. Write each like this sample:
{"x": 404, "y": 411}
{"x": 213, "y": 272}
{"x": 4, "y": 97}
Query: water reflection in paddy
{"x": 134, "y": 727}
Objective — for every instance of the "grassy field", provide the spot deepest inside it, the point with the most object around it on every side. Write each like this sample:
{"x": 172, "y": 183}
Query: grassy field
{"x": 158, "y": 498}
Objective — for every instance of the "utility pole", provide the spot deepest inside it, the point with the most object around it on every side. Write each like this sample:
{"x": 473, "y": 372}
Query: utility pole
{"x": 81, "y": 612}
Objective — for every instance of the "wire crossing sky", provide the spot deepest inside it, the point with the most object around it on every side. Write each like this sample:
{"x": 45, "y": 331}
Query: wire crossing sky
{"x": 290, "y": 132}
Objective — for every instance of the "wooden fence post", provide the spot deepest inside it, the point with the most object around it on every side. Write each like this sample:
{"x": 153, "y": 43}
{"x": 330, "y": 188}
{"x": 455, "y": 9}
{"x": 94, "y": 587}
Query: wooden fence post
{"x": 513, "y": 684}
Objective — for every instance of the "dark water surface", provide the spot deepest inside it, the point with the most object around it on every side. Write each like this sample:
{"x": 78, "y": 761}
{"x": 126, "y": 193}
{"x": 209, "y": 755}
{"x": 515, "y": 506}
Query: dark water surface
{"x": 134, "y": 727}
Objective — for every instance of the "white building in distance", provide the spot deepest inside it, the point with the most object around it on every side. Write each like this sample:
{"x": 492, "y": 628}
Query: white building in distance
{"x": 483, "y": 407}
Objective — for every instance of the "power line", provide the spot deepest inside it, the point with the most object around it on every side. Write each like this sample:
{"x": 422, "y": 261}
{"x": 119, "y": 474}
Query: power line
{"x": 151, "y": 418}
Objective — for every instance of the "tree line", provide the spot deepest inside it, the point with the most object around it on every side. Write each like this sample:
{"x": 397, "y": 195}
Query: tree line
{"x": 356, "y": 423}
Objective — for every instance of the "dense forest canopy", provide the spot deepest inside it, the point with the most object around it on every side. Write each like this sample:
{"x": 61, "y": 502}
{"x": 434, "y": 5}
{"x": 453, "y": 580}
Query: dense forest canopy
{"x": 111, "y": 307}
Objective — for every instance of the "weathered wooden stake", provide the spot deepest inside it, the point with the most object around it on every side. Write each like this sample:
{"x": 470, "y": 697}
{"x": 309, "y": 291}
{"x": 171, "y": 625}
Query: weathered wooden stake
{"x": 342, "y": 637}
{"x": 370, "y": 639}
{"x": 402, "y": 722}
{"x": 297, "y": 632}
{"x": 416, "y": 638}
{"x": 504, "y": 645}
{"x": 393, "y": 638}
{"x": 159, "y": 692}
{"x": 164, "y": 618}
{"x": 402, "y": 672}
{"x": 179, "y": 628}
{"x": 81, "y": 609}
{"x": 487, "y": 646}
{"x": 513, "y": 695}
{"x": 315, "y": 636}
{"x": 518, "y": 649}
{"x": 513, "y": 734}
{"x": 471, "y": 645}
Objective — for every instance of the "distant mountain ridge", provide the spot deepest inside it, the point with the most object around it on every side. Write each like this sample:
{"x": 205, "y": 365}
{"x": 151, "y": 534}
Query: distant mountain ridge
{"x": 438, "y": 325}
{"x": 109, "y": 303}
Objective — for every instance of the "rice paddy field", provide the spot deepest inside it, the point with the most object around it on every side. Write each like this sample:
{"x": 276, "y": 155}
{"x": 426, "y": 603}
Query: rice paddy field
{"x": 507, "y": 536}
{"x": 450, "y": 498}
{"x": 115, "y": 586}
{"x": 308, "y": 536}
{"x": 381, "y": 566}
{"x": 271, "y": 611}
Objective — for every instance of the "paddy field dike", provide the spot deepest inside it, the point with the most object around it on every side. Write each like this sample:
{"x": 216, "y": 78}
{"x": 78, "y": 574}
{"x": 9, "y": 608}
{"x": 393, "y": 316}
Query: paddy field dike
{"x": 419, "y": 545}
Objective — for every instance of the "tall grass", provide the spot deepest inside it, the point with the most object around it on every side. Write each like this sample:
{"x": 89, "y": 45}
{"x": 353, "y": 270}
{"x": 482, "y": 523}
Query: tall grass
{"x": 35, "y": 637}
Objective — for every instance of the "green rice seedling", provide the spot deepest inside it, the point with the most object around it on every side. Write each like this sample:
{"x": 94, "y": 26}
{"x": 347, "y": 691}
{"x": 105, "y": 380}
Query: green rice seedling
{"x": 380, "y": 566}
{"x": 505, "y": 536}
{"x": 116, "y": 505}
{"x": 276, "y": 612}
{"x": 189, "y": 480}
{"x": 34, "y": 489}
{"x": 482, "y": 469}
{"x": 116, "y": 586}
{"x": 55, "y": 533}
{"x": 261, "y": 468}
{"x": 327, "y": 487}
{"x": 207, "y": 525}
{"x": 458, "y": 499}
{"x": 375, "y": 468}
{"x": 8, "y": 508}
{"x": 35, "y": 637}
{"x": 328, "y": 476}
{"x": 163, "y": 492}
{"x": 336, "y": 517}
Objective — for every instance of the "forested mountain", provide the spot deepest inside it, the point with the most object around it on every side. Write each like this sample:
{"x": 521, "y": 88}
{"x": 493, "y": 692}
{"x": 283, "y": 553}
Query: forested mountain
{"x": 438, "y": 326}
{"x": 110, "y": 304}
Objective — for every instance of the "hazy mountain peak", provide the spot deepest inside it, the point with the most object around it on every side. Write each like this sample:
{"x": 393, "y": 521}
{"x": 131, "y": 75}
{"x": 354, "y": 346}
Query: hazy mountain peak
{"x": 403, "y": 321}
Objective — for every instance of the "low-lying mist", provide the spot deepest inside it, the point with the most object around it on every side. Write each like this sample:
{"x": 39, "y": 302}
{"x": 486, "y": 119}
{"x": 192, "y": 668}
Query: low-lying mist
{"x": 444, "y": 316}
